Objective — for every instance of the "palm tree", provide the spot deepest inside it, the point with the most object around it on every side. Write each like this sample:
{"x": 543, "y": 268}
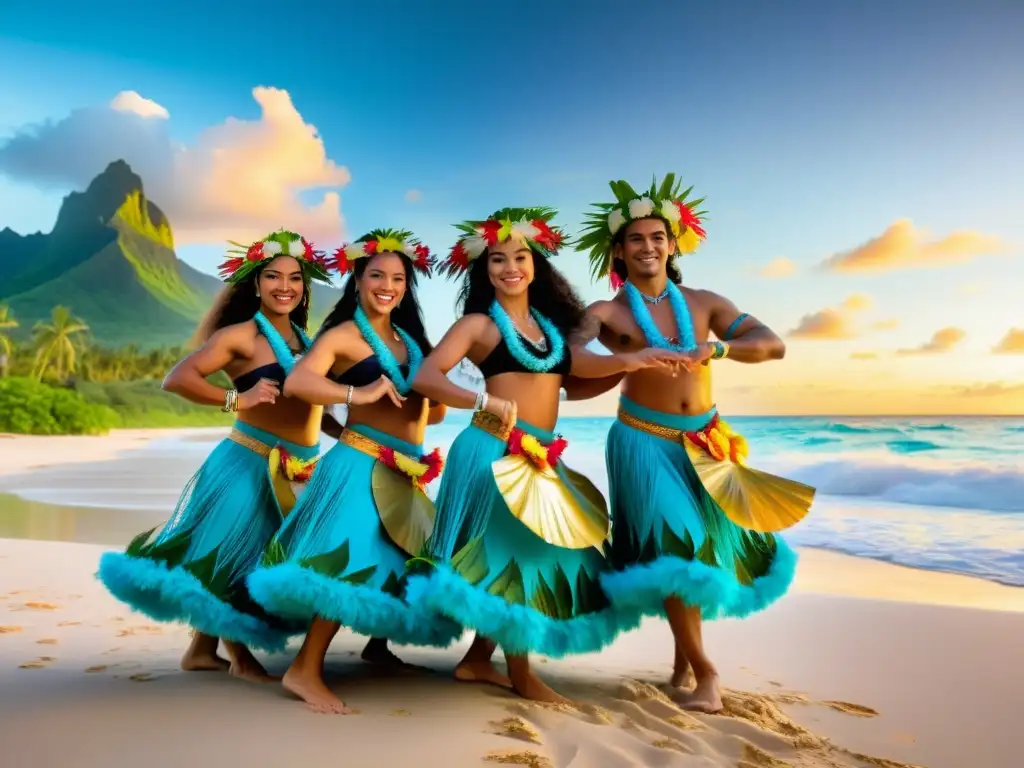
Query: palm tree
{"x": 7, "y": 321}
{"x": 57, "y": 343}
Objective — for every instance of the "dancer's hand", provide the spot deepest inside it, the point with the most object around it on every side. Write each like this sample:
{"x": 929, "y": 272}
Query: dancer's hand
{"x": 695, "y": 358}
{"x": 506, "y": 410}
{"x": 371, "y": 393}
{"x": 652, "y": 357}
{"x": 265, "y": 391}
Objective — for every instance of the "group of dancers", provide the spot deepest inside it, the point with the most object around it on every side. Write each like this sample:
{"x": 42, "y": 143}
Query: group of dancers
{"x": 270, "y": 541}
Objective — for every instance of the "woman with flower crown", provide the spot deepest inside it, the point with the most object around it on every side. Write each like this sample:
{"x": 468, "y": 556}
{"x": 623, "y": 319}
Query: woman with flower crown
{"x": 516, "y": 551}
{"x": 339, "y": 559}
{"x": 194, "y": 569}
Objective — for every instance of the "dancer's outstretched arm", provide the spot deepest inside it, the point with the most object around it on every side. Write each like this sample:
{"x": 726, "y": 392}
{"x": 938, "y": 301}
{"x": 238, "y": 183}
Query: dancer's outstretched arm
{"x": 188, "y": 379}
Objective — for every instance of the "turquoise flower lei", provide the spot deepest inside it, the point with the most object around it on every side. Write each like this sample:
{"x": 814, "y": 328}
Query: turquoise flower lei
{"x": 285, "y": 357}
{"x": 684, "y": 322}
{"x": 514, "y": 342}
{"x": 387, "y": 359}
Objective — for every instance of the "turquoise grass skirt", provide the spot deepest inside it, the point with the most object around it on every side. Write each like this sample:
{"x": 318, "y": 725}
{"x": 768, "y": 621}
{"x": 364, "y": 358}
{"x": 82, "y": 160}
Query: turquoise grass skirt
{"x": 672, "y": 540}
{"x": 491, "y": 573}
{"x": 333, "y": 558}
{"x": 194, "y": 569}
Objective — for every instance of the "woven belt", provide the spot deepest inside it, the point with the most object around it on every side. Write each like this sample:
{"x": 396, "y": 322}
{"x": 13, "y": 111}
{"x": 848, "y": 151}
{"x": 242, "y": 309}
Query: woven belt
{"x": 254, "y": 445}
{"x": 492, "y": 425}
{"x": 666, "y": 433}
{"x": 360, "y": 442}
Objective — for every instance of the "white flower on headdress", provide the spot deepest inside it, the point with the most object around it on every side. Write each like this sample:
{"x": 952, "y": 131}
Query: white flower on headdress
{"x": 616, "y": 220}
{"x": 524, "y": 230}
{"x": 354, "y": 251}
{"x": 641, "y": 208}
{"x": 296, "y": 249}
{"x": 474, "y": 246}
{"x": 271, "y": 248}
{"x": 670, "y": 211}
{"x": 409, "y": 250}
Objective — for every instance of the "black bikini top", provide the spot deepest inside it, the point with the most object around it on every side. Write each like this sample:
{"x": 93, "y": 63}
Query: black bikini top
{"x": 250, "y": 379}
{"x": 501, "y": 360}
{"x": 366, "y": 371}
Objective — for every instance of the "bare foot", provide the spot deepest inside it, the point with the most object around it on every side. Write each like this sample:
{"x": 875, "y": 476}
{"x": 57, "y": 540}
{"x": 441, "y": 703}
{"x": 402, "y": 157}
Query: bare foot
{"x": 377, "y": 652}
{"x": 245, "y": 666}
{"x": 481, "y": 672}
{"x": 705, "y": 697}
{"x": 535, "y": 689}
{"x": 194, "y": 662}
{"x": 312, "y": 690}
{"x": 681, "y": 677}
{"x": 201, "y": 655}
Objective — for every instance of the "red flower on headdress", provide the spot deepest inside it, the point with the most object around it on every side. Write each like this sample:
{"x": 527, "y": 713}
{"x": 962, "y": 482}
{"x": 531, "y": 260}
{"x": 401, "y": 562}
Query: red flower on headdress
{"x": 547, "y": 237}
{"x": 340, "y": 262}
{"x": 490, "y": 228}
{"x": 310, "y": 252}
{"x": 255, "y": 252}
{"x": 422, "y": 260}
{"x": 231, "y": 266}
{"x": 370, "y": 247}
{"x": 459, "y": 257}
{"x": 690, "y": 219}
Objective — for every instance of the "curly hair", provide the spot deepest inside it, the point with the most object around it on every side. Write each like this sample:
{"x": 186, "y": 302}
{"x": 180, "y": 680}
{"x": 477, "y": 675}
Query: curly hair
{"x": 619, "y": 266}
{"x": 238, "y": 302}
{"x": 551, "y": 294}
{"x": 406, "y": 314}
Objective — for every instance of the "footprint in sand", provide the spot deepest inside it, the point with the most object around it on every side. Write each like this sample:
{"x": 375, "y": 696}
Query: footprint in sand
{"x": 9, "y": 630}
{"x": 515, "y": 728}
{"x": 95, "y": 669}
{"x": 142, "y": 677}
{"x": 41, "y": 663}
{"x": 69, "y": 624}
{"x": 673, "y": 745}
{"x": 35, "y": 605}
{"x": 145, "y": 629}
{"x": 400, "y": 713}
{"x": 46, "y": 641}
{"x": 529, "y": 759}
{"x": 857, "y": 710}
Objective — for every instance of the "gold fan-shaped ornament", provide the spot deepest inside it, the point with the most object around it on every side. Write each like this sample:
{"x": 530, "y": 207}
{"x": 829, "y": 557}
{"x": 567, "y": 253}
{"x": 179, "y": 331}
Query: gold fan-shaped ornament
{"x": 752, "y": 499}
{"x": 544, "y": 503}
{"x": 406, "y": 512}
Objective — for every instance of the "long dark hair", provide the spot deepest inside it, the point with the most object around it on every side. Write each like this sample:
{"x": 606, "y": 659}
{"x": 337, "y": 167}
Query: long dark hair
{"x": 238, "y": 302}
{"x": 406, "y": 314}
{"x": 550, "y": 293}
{"x": 619, "y": 265}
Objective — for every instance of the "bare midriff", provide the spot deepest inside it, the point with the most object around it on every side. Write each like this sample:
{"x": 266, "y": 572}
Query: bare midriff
{"x": 687, "y": 393}
{"x": 536, "y": 395}
{"x": 289, "y": 418}
{"x": 408, "y": 423}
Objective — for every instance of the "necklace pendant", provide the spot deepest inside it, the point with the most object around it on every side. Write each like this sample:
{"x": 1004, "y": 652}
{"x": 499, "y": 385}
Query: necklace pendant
{"x": 655, "y": 299}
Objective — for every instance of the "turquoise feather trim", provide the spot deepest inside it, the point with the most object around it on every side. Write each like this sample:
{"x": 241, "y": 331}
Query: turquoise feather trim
{"x": 518, "y": 629}
{"x": 715, "y": 591}
{"x": 296, "y": 592}
{"x": 165, "y": 595}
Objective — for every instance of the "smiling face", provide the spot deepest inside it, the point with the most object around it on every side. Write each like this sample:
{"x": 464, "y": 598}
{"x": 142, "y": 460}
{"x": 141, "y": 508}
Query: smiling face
{"x": 646, "y": 247}
{"x": 280, "y": 286}
{"x": 382, "y": 284}
{"x": 510, "y": 267}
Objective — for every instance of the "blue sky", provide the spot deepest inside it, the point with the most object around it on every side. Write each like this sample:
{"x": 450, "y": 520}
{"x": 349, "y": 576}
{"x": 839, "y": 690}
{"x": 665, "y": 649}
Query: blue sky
{"x": 810, "y": 128}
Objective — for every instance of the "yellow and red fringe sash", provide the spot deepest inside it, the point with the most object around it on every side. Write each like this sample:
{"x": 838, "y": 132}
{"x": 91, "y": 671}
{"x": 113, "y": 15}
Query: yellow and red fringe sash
{"x": 750, "y": 498}
{"x": 284, "y": 469}
{"x": 420, "y": 472}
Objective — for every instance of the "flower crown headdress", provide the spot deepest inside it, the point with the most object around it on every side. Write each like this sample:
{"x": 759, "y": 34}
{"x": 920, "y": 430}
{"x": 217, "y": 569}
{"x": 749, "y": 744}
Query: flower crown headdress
{"x": 384, "y": 241}
{"x": 531, "y": 225}
{"x": 667, "y": 201}
{"x": 281, "y": 243}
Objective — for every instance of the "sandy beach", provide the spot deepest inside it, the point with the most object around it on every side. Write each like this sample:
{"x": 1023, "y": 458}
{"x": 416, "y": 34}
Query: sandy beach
{"x": 863, "y": 664}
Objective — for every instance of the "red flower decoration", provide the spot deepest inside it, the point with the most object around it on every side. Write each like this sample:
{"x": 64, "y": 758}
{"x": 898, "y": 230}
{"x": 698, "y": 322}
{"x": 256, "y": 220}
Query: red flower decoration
{"x": 310, "y": 253}
{"x": 547, "y": 237}
{"x": 422, "y": 260}
{"x": 690, "y": 219}
{"x": 370, "y": 247}
{"x": 435, "y": 464}
{"x": 616, "y": 281}
{"x": 459, "y": 257}
{"x": 491, "y": 228}
{"x": 340, "y": 262}
{"x": 255, "y": 252}
{"x": 555, "y": 450}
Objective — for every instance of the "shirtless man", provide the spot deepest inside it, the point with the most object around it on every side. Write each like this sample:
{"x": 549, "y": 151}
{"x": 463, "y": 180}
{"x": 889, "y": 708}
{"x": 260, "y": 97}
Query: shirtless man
{"x": 675, "y": 553}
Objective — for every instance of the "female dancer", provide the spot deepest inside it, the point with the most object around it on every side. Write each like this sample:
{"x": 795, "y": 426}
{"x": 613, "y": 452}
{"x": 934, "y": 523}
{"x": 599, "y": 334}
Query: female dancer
{"x": 194, "y": 570}
{"x": 516, "y": 548}
{"x": 340, "y": 556}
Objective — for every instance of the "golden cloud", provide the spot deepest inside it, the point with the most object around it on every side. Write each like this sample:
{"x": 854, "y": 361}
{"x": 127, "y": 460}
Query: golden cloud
{"x": 832, "y": 323}
{"x": 943, "y": 340}
{"x": 1011, "y": 344}
{"x": 988, "y": 389}
{"x": 780, "y": 267}
{"x": 902, "y": 246}
{"x": 887, "y": 325}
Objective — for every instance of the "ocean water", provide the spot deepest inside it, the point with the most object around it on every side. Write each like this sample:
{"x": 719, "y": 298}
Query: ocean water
{"x": 937, "y": 493}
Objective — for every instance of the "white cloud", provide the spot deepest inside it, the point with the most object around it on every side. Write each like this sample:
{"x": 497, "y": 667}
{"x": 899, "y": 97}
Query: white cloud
{"x": 131, "y": 101}
{"x": 238, "y": 180}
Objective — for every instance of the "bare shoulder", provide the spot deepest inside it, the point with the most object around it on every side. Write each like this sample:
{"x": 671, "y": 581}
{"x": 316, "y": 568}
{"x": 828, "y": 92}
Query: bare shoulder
{"x": 709, "y": 301}
{"x": 238, "y": 337}
{"x": 473, "y": 326}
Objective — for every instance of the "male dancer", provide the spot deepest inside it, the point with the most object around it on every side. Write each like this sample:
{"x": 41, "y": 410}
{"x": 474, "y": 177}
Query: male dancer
{"x": 676, "y": 552}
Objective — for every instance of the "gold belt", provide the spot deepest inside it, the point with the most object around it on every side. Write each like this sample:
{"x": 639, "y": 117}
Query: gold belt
{"x": 246, "y": 441}
{"x": 492, "y": 425}
{"x": 667, "y": 433}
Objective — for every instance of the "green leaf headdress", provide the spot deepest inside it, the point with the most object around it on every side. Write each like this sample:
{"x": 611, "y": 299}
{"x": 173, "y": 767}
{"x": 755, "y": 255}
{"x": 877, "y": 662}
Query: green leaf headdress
{"x": 531, "y": 225}
{"x": 383, "y": 241}
{"x": 668, "y": 201}
{"x": 280, "y": 243}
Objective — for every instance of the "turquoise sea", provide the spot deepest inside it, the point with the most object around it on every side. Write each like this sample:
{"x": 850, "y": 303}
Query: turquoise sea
{"x": 937, "y": 493}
